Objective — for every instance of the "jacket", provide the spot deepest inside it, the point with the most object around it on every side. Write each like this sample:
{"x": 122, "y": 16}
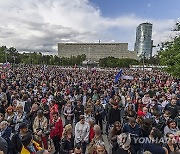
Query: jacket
{"x": 92, "y": 144}
{"x": 82, "y": 132}
{"x": 114, "y": 115}
{"x": 40, "y": 124}
{"x": 6, "y": 135}
{"x": 78, "y": 111}
{"x": 26, "y": 151}
{"x": 136, "y": 131}
{"x": 58, "y": 128}
{"x": 67, "y": 145}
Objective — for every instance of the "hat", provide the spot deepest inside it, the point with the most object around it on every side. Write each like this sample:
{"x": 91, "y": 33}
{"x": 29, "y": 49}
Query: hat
{"x": 23, "y": 125}
{"x": 43, "y": 100}
{"x": 140, "y": 113}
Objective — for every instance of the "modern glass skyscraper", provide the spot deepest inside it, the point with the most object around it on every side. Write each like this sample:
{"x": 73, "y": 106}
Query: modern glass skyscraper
{"x": 144, "y": 42}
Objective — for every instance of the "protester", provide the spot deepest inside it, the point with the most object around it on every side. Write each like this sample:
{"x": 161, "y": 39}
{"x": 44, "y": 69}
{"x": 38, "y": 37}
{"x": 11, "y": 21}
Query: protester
{"x": 156, "y": 141}
{"x": 29, "y": 145}
{"x": 56, "y": 131}
{"x": 100, "y": 148}
{"x": 82, "y": 133}
{"x": 171, "y": 127}
{"x": 40, "y": 129}
{"x": 39, "y": 100}
{"x": 170, "y": 146}
{"x": 124, "y": 145}
{"x": 3, "y": 146}
{"x": 133, "y": 128}
{"x": 67, "y": 142}
{"x": 98, "y": 111}
{"x": 97, "y": 138}
{"x": 114, "y": 132}
{"x": 78, "y": 149}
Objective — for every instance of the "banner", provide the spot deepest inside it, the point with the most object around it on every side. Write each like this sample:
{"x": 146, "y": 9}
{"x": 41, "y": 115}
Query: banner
{"x": 126, "y": 77}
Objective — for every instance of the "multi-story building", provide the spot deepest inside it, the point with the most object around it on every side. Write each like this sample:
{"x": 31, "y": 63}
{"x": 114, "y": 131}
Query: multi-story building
{"x": 144, "y": 42}
{"x": 95, "y": 51}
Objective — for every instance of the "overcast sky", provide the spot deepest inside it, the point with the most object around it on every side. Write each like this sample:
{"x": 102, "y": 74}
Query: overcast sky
{"x": 38, "y": 25}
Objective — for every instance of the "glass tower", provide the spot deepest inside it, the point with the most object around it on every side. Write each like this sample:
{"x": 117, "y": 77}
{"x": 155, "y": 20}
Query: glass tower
{"x": 144, "y": 42}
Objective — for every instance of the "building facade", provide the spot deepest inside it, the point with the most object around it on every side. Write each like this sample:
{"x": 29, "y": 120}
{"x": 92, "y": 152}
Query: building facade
{"x": 95, "y": 51}
{"x": 144, "y": 42}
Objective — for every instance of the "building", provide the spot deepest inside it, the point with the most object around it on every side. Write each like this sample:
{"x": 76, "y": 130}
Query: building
{"x": 95, "y": 51}
{"x": 144, "y": 42}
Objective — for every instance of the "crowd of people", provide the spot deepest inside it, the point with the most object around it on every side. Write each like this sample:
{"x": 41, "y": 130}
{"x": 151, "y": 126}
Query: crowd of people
{"x": 46, "y": 108}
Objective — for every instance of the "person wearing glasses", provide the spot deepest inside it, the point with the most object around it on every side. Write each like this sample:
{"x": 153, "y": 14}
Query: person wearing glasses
{"x": 82, "y": 130}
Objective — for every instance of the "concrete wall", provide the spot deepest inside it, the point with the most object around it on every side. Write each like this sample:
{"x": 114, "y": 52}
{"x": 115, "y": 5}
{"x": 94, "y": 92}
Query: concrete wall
{"x": 95, "y": 51}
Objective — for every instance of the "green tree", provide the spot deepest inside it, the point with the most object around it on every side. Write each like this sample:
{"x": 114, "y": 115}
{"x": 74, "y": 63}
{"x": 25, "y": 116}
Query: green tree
{"x": 169, "y": 54}
{"x": 116, "y": 62}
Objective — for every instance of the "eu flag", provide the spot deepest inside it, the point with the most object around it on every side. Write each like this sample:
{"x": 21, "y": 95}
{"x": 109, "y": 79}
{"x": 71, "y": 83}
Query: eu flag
{"x": 118, "y": 76}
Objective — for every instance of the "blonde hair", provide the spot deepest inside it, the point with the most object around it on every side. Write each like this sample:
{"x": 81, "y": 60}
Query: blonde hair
{"x": 66, "y": 129}
{"x": 1, "y": 152}
{"x": 19, "y": 107}
{"x": 147, "y": 152}
{"x": 178, "y": 133}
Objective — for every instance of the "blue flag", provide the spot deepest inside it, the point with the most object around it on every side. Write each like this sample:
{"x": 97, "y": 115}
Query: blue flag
{"x": 118, "y": 76}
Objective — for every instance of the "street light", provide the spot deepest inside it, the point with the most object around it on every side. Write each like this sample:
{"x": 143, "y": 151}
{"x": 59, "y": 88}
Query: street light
{"x": 143, "y": 59}
{"x": 14, "y": 58}
{"x": 5, "y": 55}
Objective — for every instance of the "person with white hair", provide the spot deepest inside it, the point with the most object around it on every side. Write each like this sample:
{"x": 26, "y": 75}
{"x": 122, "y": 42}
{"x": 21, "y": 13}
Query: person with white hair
{"x": 97, "y": 138}
{"x": 100, "y": 148}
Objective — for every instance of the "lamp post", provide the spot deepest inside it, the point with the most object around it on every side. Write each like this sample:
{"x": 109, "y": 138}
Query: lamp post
{"x": 143, "y": 59}
{"x": 14, "y": 58}
{"x": 5, "y": 55}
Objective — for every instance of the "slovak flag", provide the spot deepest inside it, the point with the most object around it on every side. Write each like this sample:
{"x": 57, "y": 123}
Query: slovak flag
{"x": 118, "y": 76}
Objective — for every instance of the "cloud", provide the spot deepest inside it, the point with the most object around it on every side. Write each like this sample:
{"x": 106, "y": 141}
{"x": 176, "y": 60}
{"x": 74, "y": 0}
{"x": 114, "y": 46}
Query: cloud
{"x": 38, "y": 25}
{"x": 149, "y": 5}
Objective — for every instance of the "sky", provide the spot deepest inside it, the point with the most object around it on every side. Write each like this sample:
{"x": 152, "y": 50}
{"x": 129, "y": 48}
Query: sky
{"x": 38, "y": 25}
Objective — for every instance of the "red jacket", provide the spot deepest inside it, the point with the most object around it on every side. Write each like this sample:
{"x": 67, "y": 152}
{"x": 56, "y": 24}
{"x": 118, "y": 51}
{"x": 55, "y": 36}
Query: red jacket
{"x": 91, "y": 134}
{"x": 52, "y": 110}
{"x": 57, "y": 130}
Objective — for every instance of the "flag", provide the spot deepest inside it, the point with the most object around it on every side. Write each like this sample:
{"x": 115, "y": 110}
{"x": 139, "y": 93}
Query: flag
{"x": 6, "y": 65}
{"x": 118, "y": 76}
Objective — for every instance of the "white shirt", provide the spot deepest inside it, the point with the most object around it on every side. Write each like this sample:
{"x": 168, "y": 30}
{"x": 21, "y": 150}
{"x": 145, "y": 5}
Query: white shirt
{"x": 82, "y": 132}
{"x": 164, "y": 103}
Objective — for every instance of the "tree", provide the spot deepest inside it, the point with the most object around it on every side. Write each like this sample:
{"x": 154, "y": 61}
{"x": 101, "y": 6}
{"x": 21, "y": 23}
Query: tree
{"x": 116, "y": 62}
{"x": 169, "y": 54}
